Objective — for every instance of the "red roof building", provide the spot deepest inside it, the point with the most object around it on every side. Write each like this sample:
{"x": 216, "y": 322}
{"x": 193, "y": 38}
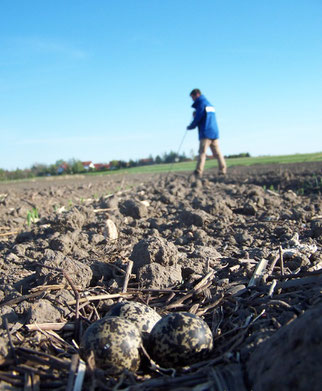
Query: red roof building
{"x": 88, "y": 165}
{"x": 101, "y": 166}
{"x": 146, "y": 161}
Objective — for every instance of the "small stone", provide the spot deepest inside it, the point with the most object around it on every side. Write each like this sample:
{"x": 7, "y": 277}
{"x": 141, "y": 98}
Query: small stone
{"x": 110, "y": 230}
{"x": 249, "y": 209}
{"x": 316, "y": 228}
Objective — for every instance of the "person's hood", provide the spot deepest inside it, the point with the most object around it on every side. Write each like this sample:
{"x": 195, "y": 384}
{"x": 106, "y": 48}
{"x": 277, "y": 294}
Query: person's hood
{"x": 200, "y": 99}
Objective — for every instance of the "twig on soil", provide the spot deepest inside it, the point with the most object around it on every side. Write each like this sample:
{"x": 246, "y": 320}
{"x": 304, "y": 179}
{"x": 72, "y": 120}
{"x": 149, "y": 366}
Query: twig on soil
{"x": 96, "y": 312}
{"x": 28, "y": 382}
{"x": 271, "y": 268}
{"x": 101, "y": 210}
{"x": 22, "y": 368}
{"x": 100, "y": 297}
{"x": 5, "y": 320}
{"x": 51, "y": 334}
{"x": 272, "y": 192}
{"x": 33, "y": 366}
{"x": 47, "y": 359}
{"x": 272, "y": 288}
{"x": 217, "y": 319}
{"x": 194, "y": 308}
{"x": 72, "y": 372}
{"x": 297, "y": 275}
{"x": 127, "y": 276}
{"x": 280, "y": 303}
{"x": 51, "y": 326}
{"x": 54, "y": 287}
{"x": 258, "y": 273}
{"x": 120, "y": 192}
{"x": 171, "y": 296}
{"x": 176, "y": 303}
{"x": 198, "y": 288}
{"x": 210, "y": 306}
{"x": 116, "y": 268}
{"x": 300, "y": 281}
{"x": 150, "y": 290}
{"x": 9, "y": 233}
{"x": 155, "y": 367}
{"x": 207, "y": 277}
{"x": 11, "y": 379}
{"x": 248, "y": 261}
{"x": 76, "y": 293}
{"x": 80, "y": 376}
{"x": 281, "y": 260}
{"x": 36, "y": 382}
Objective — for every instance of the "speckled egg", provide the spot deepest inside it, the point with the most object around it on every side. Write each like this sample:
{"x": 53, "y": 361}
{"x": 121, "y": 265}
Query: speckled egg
{"x": 141, "y": 315}
{"x": 115, "y": 342}
{"x": 180, "y": 339}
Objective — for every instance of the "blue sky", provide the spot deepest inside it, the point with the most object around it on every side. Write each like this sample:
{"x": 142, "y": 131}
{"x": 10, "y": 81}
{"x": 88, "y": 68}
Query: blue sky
{"x": 102, "y": 80}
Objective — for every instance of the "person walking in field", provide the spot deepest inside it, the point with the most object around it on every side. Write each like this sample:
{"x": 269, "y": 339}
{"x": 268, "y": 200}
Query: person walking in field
{"x": 205, "y": 120}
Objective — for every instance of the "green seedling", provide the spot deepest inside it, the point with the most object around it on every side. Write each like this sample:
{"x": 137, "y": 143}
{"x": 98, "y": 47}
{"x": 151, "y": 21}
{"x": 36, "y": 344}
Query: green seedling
{"x": 318, "y": 182}
{"x": 32, "y": 216}
{"x": 70, "y": 204}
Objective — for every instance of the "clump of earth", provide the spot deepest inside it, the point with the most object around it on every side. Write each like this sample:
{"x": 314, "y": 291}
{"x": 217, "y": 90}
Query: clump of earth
{"x": 176, "y": 230}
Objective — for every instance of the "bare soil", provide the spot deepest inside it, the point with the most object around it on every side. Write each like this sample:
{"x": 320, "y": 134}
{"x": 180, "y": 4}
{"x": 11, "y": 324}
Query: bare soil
{"x": 196, "y": 245}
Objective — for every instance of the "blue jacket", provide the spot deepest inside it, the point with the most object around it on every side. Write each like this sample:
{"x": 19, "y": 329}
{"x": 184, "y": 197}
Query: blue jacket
{"x": 205, "y": 119}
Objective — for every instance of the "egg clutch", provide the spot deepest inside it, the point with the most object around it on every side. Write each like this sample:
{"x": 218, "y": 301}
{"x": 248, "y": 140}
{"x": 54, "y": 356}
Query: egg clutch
{"x": 115, "y": 341}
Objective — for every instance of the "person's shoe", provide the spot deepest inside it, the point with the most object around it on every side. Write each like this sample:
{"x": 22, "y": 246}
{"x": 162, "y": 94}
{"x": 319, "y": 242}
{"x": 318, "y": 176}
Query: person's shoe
{"x": 197, "y": 174}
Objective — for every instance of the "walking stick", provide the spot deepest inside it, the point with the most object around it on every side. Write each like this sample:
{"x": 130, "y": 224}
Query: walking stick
{"x": 184, "y": 136}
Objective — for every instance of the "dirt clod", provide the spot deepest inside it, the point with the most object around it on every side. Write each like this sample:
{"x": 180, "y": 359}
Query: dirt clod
{"x": 154, "y": 249}
{"x": 132, "y": 208}
{"x": 156, "y": 276}
{"x": 290, "y": 359}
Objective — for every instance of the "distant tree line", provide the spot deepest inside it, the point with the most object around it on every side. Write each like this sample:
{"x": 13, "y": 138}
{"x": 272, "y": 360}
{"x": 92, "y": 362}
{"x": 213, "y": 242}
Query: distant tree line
{"x": 243, "y": 154}
{"x": 74, "y": 166}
